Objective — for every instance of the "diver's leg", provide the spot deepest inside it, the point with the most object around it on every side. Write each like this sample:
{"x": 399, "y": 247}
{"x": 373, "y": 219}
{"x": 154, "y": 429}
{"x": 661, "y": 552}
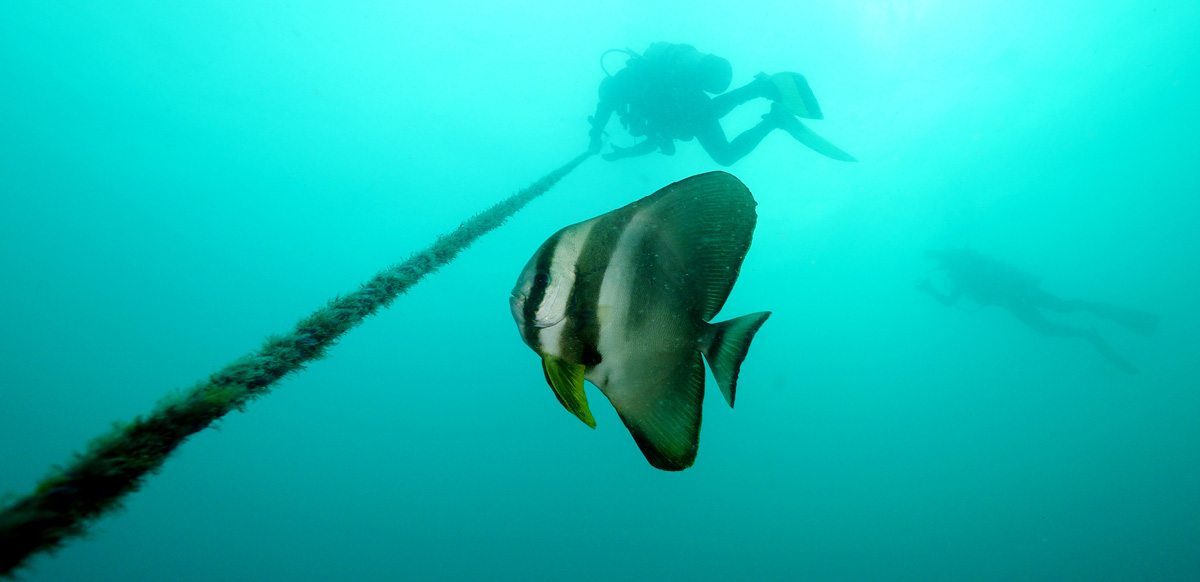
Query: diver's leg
{"x": 725, "y": 102}
{"x": 1030, "y": 316}
{"x": 1044, "y": 300}
{"x": 1138, "y": 321}
{"x": 724, "y": 152}
{"x": 1132, "y": 319}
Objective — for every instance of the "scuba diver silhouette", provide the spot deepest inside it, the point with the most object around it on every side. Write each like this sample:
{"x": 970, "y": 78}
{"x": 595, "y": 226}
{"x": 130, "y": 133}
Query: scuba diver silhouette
{"x": 988, "y": 281}
{"x": 662, "y": 96}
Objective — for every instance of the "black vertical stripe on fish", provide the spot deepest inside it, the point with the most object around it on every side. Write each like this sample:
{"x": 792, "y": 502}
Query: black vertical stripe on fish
{"x": 594, "y": 259}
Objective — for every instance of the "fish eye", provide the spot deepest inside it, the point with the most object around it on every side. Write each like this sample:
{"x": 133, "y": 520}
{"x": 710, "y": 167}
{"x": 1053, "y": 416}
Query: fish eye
{"x": 541, "y": 279}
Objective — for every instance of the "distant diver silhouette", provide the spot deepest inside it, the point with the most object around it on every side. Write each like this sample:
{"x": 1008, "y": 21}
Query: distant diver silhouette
{"x": 115, "y": 464}
{"x": 662, "y": 96}
{"x": 988, "y": 281}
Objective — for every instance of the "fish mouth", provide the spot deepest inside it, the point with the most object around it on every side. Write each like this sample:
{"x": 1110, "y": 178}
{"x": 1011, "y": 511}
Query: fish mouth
{"x": 516, "y": 303}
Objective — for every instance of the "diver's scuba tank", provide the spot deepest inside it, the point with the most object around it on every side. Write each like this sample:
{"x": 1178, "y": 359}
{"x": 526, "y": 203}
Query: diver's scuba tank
{"x": 680, "y": 65}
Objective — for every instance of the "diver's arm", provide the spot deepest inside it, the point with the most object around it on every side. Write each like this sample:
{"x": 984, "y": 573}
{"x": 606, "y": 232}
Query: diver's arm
{"x": 599, "y": 121}
{"x": 646, "y": 146}
{"x": 609, "y": 99}
{"x": 947, "y": 299}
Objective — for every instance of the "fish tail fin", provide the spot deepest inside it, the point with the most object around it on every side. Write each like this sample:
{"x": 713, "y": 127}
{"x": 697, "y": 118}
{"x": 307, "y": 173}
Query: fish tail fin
{"x": 725, "y": 346}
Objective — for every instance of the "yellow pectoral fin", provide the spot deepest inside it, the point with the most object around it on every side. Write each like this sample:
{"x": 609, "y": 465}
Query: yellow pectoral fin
{"x": 566, "y": 378}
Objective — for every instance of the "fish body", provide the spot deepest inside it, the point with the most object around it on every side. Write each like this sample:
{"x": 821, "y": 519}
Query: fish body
{"x": 624, "y": 301}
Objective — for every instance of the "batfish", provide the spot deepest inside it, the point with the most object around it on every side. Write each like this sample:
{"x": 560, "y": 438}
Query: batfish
{"x": 624, "y": 301}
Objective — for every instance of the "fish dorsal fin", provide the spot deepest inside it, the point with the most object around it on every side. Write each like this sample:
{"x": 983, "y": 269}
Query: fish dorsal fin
{"x": 661, "y": 408}
{"x": 566, "y": 378}
{"x": 704, "y": 226}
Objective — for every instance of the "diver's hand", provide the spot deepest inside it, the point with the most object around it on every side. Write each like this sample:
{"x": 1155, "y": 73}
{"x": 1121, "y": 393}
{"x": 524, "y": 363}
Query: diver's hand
{"x": 595, "y": 133}
{"x": 616, "y": 153}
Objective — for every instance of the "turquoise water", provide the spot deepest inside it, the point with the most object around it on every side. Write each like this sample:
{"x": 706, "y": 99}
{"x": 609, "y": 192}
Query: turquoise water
{"x": 177, "y": 183}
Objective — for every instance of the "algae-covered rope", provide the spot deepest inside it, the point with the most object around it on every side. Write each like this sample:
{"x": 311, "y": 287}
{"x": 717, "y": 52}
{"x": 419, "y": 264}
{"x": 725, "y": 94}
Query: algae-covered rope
{"x": 115, "y": 464}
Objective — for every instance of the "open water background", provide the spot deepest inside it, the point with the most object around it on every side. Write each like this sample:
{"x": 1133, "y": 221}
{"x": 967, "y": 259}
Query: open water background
{"x": 177, "y": 182}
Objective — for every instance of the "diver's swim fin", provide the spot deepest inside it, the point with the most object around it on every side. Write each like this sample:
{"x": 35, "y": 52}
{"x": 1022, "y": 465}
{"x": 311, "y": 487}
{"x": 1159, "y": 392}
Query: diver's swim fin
{"x": 1109, "y": 354}
{"x": 819, "y": 144}
{"x": 795, "y": 96}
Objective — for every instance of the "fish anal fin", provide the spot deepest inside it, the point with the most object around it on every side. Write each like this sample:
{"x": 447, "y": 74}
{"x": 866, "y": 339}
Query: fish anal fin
{"x": 725, "y": 348}
{"x": 662, "y": 412}
{"x": 566, "y": 379}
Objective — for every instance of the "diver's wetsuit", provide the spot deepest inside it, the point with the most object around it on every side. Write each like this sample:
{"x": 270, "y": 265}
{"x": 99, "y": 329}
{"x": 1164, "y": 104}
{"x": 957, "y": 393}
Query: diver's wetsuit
{"x": 663, "y": 104}
{"x": 988, "y": 281}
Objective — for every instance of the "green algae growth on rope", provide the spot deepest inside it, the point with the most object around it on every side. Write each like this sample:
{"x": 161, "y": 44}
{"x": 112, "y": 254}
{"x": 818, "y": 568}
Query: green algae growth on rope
{"x": 115, "y": 464}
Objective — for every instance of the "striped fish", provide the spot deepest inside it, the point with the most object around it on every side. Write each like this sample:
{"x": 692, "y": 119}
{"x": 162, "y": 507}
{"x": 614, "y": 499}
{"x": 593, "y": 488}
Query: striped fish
{"x": 623, "y": 300}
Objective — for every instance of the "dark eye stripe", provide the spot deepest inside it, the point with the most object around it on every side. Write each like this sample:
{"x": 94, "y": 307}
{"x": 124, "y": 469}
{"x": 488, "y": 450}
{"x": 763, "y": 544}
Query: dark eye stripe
{"x": 540, "y": 282}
